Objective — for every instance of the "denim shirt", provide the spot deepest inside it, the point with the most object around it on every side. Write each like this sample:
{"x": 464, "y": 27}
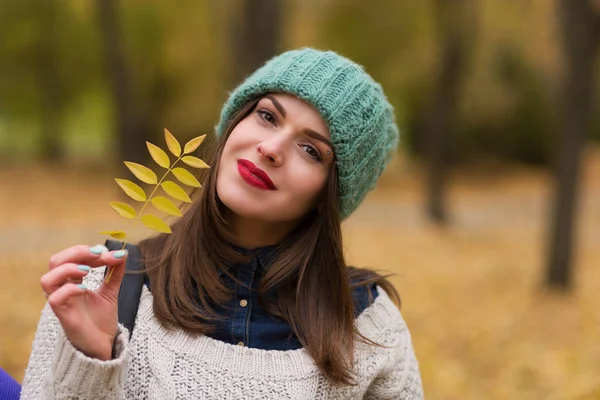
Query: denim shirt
{"x": 246, "y": 323}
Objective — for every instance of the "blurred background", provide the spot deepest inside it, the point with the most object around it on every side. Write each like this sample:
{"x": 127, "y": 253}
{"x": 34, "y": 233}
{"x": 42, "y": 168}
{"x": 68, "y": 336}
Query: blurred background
{"x": 489, "y": 214}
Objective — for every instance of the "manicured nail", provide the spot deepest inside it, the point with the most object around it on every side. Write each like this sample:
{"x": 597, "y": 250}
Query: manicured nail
{"x": 98, "y": 249}
{"x": 83, "y": 268}
{"x": 82, "y": 286}
{"x": 119, "y": 254}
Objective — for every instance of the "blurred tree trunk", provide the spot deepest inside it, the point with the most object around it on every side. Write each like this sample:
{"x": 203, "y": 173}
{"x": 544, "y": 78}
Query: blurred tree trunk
{"x": 455, "y": 22}
{"x": 580, "y": 33}
{"x": 49, "y": 82}
{"x": 256, "y": 37}
{"x": 130, "y": 136}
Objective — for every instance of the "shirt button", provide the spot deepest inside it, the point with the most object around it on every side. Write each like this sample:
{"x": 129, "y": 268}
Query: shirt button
{"x": 243, "y": 303}
{"x": 241, "y": 344}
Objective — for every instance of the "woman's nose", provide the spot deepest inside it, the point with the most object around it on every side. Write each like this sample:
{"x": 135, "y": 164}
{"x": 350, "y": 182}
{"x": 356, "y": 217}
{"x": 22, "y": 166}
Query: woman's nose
{"x": 270, "y": 151}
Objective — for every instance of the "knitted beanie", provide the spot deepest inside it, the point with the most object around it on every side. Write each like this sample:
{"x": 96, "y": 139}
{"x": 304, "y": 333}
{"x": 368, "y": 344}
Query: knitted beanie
{"x": 354, "y": 107}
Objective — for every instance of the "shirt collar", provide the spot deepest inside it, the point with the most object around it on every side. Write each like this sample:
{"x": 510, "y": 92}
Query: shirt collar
{"x": 264, "y": 255}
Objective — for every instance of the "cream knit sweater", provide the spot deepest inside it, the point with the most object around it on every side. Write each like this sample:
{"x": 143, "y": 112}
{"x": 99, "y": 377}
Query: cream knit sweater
{"x": 158, "y": 364}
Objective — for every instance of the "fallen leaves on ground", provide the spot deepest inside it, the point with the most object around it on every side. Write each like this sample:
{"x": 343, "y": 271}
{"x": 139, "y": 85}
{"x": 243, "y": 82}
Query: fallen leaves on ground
{"x": 483, "y": 325}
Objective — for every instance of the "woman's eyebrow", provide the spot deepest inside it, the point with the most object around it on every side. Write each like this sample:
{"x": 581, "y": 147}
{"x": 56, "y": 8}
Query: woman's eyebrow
{"x": 306, "y": 131}
{"x": 317, "y": 136}
{"x": 277, "y": 105}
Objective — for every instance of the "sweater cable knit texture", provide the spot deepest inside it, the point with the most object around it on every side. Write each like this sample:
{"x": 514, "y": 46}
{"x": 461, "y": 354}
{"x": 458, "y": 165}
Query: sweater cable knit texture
{"x": 161, "y": 364}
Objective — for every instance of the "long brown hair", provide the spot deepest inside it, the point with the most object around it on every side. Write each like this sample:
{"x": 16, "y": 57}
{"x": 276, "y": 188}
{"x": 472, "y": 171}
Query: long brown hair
{"x": 308, "y": 284}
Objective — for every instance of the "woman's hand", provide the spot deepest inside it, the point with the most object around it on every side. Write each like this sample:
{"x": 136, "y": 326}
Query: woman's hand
{"x": 89, "y": 318}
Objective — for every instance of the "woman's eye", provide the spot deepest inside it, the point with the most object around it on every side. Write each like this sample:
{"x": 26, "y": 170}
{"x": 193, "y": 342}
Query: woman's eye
{"x": 267, "y": 116}
{"x": 312, "y": 152}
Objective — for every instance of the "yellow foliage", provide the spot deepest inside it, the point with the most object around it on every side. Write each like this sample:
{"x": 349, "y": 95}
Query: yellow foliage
{"x": 158, "y": 155}
{"x": 148, "y": 176}
{"x": 481, "y": 325}
{"x": 155, "y": 223}
{"x": 194, "y": 162}
{"x": 141, "y": 172}
{"x": 193, "y": 144}
{"x": 124, "y": 209}
{"x": 119, "y": 235}
{"x": 175, "y": 191}
{"x": 172, "y": 143}
{"x": 186, "y": 177}
{"x": 131, "y": 189}
{"x": 166, "y": 205}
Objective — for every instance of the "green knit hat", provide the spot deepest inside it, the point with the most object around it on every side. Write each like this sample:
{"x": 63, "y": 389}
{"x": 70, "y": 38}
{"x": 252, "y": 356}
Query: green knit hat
{"x": 359, "y": 116}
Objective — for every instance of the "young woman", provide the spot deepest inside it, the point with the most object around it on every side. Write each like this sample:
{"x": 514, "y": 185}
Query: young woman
{"x": 250, "y": 296}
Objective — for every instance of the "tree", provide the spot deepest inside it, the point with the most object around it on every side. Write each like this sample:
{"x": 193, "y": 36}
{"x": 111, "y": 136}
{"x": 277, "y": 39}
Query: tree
{"x": 130, "y": 136}
{"x": 455, "y": 23}
{"x": 579, "y": 23}
{"x": 256, "y": 37}
{"x": 48, "y": 79}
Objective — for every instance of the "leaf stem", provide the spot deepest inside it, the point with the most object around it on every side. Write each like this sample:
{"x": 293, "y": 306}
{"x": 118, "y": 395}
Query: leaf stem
{"x": 144, "y": 207}
{"x": 157, "y": 185}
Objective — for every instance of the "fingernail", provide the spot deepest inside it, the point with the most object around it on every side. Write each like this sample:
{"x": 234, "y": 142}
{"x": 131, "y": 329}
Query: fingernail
{"x": 83, "y": 268}
{"x": 119, "y": 254}
{"x": 82, "y": 286}
{"x": 98, "y": 249}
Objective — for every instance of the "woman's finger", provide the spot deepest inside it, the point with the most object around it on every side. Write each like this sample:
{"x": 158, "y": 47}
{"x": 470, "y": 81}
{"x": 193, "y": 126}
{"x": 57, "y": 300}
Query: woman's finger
{"x": 116, "y": 260}
{"x": 62, "y": 295}
{"x": 80, "y": 254}
{"x": 66, "y": 273}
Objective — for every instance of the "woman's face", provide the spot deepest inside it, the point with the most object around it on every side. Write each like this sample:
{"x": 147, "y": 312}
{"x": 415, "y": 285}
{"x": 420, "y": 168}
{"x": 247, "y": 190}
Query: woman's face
{"x": 276, "y": 161}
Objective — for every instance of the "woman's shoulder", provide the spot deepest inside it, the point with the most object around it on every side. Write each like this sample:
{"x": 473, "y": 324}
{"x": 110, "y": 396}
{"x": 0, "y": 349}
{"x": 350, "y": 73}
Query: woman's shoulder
{"x": 363, "y": 295}
{"x": 382, "y": 319}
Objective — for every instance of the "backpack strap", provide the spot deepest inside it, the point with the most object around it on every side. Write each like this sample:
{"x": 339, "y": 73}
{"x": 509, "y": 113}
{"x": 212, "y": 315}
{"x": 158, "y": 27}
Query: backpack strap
{"x": 131, "y": 286}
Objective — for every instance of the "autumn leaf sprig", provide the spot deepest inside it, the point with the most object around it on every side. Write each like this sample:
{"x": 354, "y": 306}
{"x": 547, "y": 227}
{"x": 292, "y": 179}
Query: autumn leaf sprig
{"x": 170, "y": 187}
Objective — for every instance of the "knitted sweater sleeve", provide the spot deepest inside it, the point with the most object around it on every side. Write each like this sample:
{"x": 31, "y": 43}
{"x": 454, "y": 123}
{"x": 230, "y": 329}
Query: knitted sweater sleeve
{"x": 399, "y": 377}
{"x": 57, "y": 370}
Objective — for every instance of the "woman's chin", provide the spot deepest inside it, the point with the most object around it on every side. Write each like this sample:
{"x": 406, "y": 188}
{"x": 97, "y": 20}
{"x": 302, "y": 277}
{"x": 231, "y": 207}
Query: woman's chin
{"x": 247, "y": 202}
{"x": 240, "y": 204}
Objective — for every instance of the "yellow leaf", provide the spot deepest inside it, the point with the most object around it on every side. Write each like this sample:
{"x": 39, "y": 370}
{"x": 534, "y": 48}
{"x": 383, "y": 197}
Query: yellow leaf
{"x": 123, "y": 208}
{"x": 172, "y": 143}
{"x": 175, "y": 191}
{"x": 194, "y": 162}
{"x": 158, "y": 155}
{"x": 193, "y": 144}
{"x": 186, "y": 177}
{"x": 166, "y": 205}
{"x": 141, "y": 172}
{"x": 155, "y": 223}
{"x": 131, "y": 189}
{"x": 119, "y": 235}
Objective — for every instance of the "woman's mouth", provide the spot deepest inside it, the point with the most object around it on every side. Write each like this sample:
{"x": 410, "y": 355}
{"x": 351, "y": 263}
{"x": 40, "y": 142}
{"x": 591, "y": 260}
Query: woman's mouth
{"x": 254, "y": 175}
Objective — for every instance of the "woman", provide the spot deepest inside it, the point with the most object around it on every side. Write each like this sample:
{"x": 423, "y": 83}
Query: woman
{"x": 250, "y": 296}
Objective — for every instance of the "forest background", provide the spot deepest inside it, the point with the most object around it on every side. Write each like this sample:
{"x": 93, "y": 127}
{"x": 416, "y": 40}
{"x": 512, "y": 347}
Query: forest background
{"x": 489, "y": 215}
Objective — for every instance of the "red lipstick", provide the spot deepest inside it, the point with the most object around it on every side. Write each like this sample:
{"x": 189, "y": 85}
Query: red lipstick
{"x": 254, "y": 175}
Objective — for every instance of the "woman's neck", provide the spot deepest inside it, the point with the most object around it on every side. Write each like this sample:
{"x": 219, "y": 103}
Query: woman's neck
{"x": 251, "y": 233}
